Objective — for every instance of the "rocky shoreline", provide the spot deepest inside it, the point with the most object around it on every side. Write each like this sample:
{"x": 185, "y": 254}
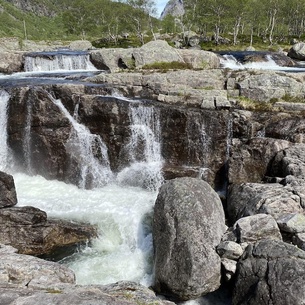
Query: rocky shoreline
{"x": 252, "y": 243}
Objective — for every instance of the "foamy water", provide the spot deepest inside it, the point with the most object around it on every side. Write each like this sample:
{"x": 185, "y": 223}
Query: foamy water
{"x": 230, "y": 62}
{"x": 123, "y": 250}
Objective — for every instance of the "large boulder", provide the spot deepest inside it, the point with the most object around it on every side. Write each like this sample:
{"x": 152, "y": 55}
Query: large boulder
{"x": 155, "y": 51}
{"x": 112, "y": 59}
{"x": 271, "y": 272}
{"x": 297, "y": 51}
{"x": 199, "y": 59}
{"x": 188, "y": 224}
{"x": 264, "y": 86}
{"x": 11, "y": 62}
{"x": 29, "y": 230}
{"x": 8, "y": 195}
{"x": 25, "y": 270}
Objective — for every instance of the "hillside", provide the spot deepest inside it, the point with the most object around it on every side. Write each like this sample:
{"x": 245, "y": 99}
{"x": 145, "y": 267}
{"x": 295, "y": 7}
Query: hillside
{"x": 30, "y": 23}
{"x": 75, "y": 19}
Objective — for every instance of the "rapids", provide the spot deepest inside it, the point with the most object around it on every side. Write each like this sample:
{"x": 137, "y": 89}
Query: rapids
{"x": 120, "y": 208}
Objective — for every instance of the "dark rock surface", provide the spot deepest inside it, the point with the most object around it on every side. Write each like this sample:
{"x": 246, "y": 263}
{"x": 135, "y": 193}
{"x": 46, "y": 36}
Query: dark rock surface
{"x": 188, "y": 225}
{"x": 271, "y": 272}
{"x": 29, "y": 230}
{"x": 8, "y": 196}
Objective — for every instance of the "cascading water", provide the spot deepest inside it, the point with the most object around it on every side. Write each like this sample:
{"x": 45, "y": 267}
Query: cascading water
{"x": 83, "y": 146}
{"x": 121, "y": 209}
{"x": 123, "y": 250}
{"x": 56, "y": 62}
{"x": 4, "y": 98}
{"x": 143, "y": 149}
{"x": 198, "y": 142}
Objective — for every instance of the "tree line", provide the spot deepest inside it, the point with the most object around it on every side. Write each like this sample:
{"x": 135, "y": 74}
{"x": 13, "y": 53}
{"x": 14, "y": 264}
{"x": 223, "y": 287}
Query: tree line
{"x": 271, "y": 20}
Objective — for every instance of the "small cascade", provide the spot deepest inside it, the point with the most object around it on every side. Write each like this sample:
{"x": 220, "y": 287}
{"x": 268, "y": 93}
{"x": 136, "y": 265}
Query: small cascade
{"x": 199, "y": 141}
{"x": 57, "y": 62}
{"x": 88, "y": 150}
{"x": 4, "y": 98}
{"x": 143, "y": 149}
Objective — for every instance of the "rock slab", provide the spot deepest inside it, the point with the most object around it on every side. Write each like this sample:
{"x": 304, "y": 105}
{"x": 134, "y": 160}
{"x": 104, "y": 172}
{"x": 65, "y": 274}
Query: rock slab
{"x": 271, "y": 272}
{"x": 188, "y": 225}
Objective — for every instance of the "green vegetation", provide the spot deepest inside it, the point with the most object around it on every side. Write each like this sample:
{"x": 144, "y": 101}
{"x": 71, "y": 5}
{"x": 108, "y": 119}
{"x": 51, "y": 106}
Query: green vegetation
{"x": 248, "y": 104}
{"x": 220, "y": 24}
{"x": 293, "y": 99}
{"x": 165, "y": 66}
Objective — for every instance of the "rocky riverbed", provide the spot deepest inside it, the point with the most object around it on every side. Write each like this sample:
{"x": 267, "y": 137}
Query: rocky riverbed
{"x": 234, "y": 135}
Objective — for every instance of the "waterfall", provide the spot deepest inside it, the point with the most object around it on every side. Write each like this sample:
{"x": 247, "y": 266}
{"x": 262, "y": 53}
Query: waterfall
{"x": 57, "y": 62}
{"x": 88, "y": 150}
{"x": 143, "y": 149}
{"x": 4, "y": 98}
{"x": 199, "y": 141}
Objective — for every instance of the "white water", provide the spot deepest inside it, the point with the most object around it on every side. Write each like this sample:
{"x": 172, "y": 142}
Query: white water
{"x": 4, "y": 98}
{"x": 58, "y": 62}
{"x": 122, "y": 211}
{"x": 82, "y": 146}
{"x": 230, "y": 62}
{"x": 123, "y": 250}
{"x": 143, "y": 149}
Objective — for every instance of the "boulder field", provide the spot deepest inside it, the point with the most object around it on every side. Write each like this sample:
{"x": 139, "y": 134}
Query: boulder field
{"x": 228, "y": 223}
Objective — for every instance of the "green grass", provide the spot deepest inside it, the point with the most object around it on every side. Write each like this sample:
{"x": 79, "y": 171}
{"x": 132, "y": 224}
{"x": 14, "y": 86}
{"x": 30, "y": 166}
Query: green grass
{"x": 166, "y": 66}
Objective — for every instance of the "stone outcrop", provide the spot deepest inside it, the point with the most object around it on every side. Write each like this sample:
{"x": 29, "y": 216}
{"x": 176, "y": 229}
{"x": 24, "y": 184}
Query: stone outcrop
{"x": 271, "y": 272}
{"x": 152, "y": 52}
{"x": 29, "y": 230}
{"x": 253, "y": 198}
{"x": 188, "y": 225}
{"x": 29, "y": 271}
{"x": 297, "y": 51}
{"x": 122, "y": 293}
{"x": 8, "y": 195}
{"x": 11, "y": 62}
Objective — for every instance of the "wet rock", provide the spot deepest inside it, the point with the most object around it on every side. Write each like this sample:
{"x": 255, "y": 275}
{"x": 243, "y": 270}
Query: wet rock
{"x": 256, "y": 227}
{"x": 8, "y": 196}
{"x": 272, "y": 272}
{"x": 188, "y": 225}
{"x": 29, "y": 230}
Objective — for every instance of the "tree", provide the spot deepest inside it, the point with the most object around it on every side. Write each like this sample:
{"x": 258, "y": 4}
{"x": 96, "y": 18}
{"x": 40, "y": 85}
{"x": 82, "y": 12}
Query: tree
{"x": 141, "y": 17}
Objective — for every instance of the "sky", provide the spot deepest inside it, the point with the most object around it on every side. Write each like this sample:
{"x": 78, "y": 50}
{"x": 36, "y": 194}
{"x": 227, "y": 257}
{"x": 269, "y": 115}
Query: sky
{"x": 160, "y": 6}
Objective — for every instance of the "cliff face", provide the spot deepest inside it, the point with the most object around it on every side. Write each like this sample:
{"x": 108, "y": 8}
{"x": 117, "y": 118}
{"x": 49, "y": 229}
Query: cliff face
{"x": 40, "y": 8}
{"x": 174, "y": 8}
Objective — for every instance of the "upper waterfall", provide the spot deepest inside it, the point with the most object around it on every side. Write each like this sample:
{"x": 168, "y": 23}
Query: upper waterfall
{"x": 58, "y": 61}
{"x": 143, "y": 149}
